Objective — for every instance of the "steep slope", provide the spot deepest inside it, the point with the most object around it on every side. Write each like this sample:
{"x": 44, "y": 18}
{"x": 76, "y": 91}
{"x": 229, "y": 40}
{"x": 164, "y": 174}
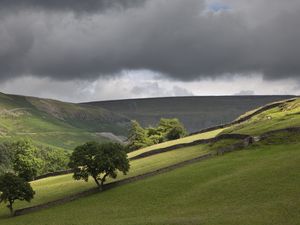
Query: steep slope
{"x": 195, "y": 112}
{"x": 56, "y": 123}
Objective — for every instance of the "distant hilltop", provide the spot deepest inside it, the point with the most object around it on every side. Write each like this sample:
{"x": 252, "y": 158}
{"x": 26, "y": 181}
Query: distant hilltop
{"x": 195, "y": 112}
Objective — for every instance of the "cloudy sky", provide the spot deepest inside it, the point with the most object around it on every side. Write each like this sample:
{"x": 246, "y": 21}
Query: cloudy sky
{"x": 88, "y": 50}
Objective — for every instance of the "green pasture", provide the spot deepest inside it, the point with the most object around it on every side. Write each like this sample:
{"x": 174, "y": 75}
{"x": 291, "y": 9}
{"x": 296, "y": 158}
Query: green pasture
{"x": 257, "y": 186}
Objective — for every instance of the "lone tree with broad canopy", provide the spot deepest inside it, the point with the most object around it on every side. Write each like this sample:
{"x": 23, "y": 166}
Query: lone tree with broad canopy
{"x": 14, "y": 188}
{"x": 98, "y": 161}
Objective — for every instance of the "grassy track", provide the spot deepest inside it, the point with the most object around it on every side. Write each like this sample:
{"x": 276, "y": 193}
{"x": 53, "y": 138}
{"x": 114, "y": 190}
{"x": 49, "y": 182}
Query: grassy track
{"x": 259, "y": 186}
{"x": 184, "y": 140}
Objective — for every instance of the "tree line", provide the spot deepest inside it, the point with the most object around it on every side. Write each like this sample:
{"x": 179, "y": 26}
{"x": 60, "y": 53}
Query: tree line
{"x": 30, "y": 160}
{"x": 20, "y": 163}
{"x": 166, "y": 130}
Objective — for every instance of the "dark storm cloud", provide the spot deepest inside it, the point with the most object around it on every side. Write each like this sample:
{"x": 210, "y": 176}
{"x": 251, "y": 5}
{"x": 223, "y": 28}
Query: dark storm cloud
{"x": 78, "y": 6}
{"x": 184, "y": 40}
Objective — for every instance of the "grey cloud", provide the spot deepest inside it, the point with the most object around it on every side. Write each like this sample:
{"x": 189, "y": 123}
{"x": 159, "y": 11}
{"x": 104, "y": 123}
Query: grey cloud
{"x": 154, "y": 89}
{"x": 149, "y": 89}
{"x": 245, "y": 92}
{"x": 177, "y": 38}
{"x": 77, "y": 6}
{"x": 180, "y": 91}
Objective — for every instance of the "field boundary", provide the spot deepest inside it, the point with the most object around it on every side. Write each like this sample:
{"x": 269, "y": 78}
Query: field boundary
{"x": 234, "y": 147}
{"x": 161, "y": 150}
{"x": 190, "y": 144}
{"x": 108, "y": 186}
{"x": 244, "y": 143}
{"x": 53, "y": 174}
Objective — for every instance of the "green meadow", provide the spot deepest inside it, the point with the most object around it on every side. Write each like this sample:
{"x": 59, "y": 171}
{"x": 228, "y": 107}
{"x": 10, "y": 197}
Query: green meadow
{"x": 53, "y": 188}
{"x": 257, "y": 185}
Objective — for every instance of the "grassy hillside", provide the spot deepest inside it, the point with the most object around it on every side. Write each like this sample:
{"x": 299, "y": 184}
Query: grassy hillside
{"x": 66, "y": 125}
{"x": 184, "y": 140}
{"x": 195, "y": 112}
{"x": 283, "y": 116}
{"x": 55, "y": 123}
{"x": 279, "y": 117}
{"x": 57, "y": 187}
{"x": 259, "y": 187}
{"x": 244, "y": 187}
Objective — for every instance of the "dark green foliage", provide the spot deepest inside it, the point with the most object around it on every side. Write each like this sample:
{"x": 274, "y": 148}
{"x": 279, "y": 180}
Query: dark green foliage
{"x": 98, "y": 161}
{"x": 176, "y": 133}
{"x": 154, "y": 135}
{"x": 171, "y": 129}
{"x": 166, "y": 130}
{"x": 25, "y": 162}
{"x": 53, "y": 159}
{"x": 29, "y": 160}
{"x": 138, "y": 137}
{"x": 14, "y": 188}
{"x": 6, "y": 157}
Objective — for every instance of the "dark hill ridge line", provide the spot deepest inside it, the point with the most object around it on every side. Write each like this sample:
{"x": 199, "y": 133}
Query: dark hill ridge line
{"x": 185, "y": 97}
{"x": 221, "y": 151}
{"x": 195, "y": 112}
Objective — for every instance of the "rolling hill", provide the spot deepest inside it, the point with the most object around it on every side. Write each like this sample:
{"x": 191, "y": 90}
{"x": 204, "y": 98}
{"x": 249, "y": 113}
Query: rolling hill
{"x": 65, "y": 125}
{"x": 196, "y": 113}
{"x": 259, "y": 185}
{"x": 54, "y": 123}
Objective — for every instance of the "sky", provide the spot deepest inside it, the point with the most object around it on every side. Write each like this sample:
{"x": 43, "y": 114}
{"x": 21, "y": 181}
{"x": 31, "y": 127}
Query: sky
{"x": 91, "y": 50}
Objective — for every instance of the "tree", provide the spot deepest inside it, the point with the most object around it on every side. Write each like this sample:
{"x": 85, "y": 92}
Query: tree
{"x": 98, "y": 161}
{"x": 154, "y": 135}
{"x": 138, "y": 137}
{"x": 171, "y": 129}
{"x": 53, "y": 159}
{"x": 6, "y": 157}
{"x": 176, "y": 133}
{"x": 25, "y": 162}
{"x": 14, "y": 188}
